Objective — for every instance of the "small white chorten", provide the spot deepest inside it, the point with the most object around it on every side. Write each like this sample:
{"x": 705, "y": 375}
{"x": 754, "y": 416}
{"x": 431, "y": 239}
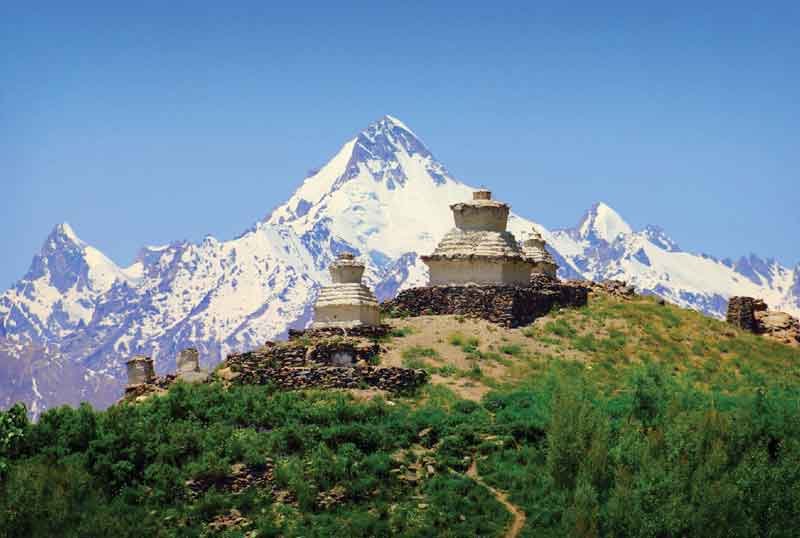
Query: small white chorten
{"x": 347, "y": 302}
{"x": 534, "y": 249}
{"x": 479, "y": 250}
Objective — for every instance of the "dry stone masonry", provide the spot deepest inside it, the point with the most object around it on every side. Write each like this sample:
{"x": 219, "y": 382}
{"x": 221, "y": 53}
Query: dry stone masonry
{"x": 314, "y": 359}
{"x": 509, "y": 306}
{"x": 741, "y": 312}
{"x": 751, "y": 314}
{"x": 347, "y": 302}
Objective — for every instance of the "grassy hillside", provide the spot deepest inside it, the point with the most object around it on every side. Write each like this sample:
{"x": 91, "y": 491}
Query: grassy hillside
{"x": 619, "y": 419}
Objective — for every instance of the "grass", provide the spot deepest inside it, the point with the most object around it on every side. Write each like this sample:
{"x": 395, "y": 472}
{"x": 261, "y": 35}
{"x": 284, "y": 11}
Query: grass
{"x": 399, "y": 332}
{"x": 560, "y": 327}
{"x": 413, "y": 356}
{"x": 515, "y": 350}
{"x": 618, "y": 419}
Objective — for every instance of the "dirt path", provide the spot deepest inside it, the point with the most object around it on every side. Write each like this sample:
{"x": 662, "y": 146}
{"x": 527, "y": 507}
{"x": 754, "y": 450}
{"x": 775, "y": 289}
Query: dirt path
{"x": 519, "y": 515}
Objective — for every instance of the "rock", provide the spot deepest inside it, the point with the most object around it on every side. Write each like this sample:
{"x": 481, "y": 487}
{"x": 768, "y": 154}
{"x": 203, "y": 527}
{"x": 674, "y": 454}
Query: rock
{"x": 233, "y": 519}
{"x": 329, "y": 499}
{"x": 752, "y": 315}
{"x": 779, "y": 326}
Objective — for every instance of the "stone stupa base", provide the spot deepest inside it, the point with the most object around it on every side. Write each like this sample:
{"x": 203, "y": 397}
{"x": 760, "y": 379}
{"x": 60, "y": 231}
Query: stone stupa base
{"x": 509, "y": 306}
{"x": 345, "y": 316}
{"x": 477, "y": 271}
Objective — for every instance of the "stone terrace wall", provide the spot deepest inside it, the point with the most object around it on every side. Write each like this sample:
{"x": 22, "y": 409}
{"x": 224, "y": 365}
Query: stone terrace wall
{"x": 299, "y": 353}
{"x": 509, "y": 306}
{"x": 372, "y": 332}
{"x": 392, "y": 379}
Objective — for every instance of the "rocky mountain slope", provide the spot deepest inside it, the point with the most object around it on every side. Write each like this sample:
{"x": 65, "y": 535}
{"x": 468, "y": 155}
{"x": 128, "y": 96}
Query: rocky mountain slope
{"x": 383, "y": 196}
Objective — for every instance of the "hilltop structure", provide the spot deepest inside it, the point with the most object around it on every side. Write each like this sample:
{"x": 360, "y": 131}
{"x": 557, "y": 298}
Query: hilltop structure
{"x": 479, "y": 270}
{"x": 479, "y": 250}
{"x": 347, "y": 302}
{"x": 535, "y": 251}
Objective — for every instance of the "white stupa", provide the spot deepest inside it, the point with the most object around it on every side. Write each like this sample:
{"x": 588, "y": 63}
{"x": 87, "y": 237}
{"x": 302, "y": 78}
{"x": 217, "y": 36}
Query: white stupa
{"x": 347, "y": 302}
{"x": 479, "y": 250}
{"x": 534, "y": 249}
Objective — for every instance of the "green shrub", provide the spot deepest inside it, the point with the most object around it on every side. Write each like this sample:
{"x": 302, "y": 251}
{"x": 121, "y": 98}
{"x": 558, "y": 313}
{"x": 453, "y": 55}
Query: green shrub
{"x": 561, "y": 328}
{"x": 514, "y": 350}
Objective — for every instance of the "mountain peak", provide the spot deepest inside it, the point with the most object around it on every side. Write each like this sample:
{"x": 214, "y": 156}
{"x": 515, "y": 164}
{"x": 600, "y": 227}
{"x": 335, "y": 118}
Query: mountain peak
{"x": 602, "y": 222}
{"x": 384, "y": 138}
{"x": 62, "y": 234}
{"x": 657, "y": 236}
{"x": 396, "y": 123}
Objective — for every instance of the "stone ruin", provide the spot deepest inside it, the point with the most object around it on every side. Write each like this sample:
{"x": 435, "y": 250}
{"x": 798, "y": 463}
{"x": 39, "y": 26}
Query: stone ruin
{"x": 140, "y": 371}
{"x": 143, "y": 381}
{"x": 480, "y": 270}
{"x": 753, "y": 315}
{"x": 188, "y": 367}
{"x": 347, "y": 302}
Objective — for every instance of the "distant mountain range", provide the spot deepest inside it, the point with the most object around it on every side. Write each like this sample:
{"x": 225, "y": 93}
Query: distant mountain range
{"x": 68, "y": 325}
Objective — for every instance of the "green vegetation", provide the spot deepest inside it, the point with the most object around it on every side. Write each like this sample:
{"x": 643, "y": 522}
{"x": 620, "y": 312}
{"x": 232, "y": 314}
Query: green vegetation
{"x": 399, "y": 332}
{"x": 515, "y": 350}
{"x": 412, "y": 357}
{"x": 652, "y": 422}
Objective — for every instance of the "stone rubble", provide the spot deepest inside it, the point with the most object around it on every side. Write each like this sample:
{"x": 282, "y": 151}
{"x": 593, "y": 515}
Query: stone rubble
{"x": 239, "y": 478}
{"x": 753, "y": 315}
{"x": 233, "y": 519}
{"x": 617, "y": 288}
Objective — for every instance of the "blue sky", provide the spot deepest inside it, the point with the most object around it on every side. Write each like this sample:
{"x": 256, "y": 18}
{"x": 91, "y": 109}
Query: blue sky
{"x": 141, "y": 123}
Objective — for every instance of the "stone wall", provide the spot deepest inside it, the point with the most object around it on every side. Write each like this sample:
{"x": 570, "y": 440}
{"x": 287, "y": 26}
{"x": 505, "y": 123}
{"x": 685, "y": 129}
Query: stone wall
{"x": 509, "y": 306}
{"x": 742, "y": 312}
{"x": 372, "y": 332}
{"x": 391, "y": 379}
{"x": 301, "y": 352}
{"x": 320, "y": 358}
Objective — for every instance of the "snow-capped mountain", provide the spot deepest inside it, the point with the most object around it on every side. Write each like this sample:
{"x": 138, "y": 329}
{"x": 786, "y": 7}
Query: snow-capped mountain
{"x": 68, "y": 325}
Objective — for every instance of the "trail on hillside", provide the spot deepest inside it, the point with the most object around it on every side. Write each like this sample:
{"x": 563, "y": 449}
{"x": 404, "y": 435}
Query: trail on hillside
{"x": 519, "y": 516}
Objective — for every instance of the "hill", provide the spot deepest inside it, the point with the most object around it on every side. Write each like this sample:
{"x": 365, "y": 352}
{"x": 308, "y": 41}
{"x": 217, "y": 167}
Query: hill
{"x": 383, "y": 196}
{"x": 623, "y": 418}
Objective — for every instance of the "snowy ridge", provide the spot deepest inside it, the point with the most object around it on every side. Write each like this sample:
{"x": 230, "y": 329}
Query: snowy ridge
{"x": 383, "y": 196}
